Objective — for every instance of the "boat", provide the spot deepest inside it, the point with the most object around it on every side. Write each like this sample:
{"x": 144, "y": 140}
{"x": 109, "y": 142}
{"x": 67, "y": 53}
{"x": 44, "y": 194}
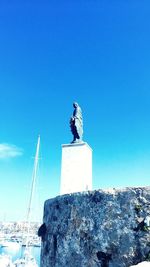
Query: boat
{"x": 14, "y": 245}
{"x": 34, "y": 241}
{"x": 6, "y": 261}
{"x": 28, "y": 260}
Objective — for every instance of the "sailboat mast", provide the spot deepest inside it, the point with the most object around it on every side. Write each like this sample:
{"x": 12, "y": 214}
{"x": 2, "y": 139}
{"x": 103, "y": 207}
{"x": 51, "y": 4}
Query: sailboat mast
{"x": 33, "y": 178}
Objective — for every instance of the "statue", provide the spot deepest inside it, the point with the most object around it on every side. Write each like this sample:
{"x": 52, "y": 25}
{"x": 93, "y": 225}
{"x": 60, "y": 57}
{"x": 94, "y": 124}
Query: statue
{"x": 76, "y": 124}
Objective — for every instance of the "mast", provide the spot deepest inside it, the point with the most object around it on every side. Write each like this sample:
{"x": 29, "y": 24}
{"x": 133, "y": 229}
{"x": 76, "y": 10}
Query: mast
{"x": 32, "y": 188}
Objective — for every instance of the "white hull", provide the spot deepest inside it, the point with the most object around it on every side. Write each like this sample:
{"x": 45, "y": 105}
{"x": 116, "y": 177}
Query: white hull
{"x": 5, "y": 261}
{"x": 12, "y": 245}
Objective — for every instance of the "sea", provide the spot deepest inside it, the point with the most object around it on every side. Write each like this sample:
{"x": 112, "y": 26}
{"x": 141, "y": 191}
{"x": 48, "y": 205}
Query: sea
{"x": 17, "y": 253}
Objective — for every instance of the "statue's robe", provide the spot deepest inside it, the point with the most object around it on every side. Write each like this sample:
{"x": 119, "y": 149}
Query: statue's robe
{"x": 77, "y": 124}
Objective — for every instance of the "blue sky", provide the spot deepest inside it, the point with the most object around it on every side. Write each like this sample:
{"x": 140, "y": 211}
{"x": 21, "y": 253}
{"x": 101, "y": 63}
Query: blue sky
{"x": 53, "y": 53}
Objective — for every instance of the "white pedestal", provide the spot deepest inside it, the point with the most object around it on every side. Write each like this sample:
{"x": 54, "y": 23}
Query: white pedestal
{"x": 76, "y": 168}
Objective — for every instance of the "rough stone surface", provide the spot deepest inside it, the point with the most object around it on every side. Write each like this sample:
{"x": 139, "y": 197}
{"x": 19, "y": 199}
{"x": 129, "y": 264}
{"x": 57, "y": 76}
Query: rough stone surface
{"x": 97, "y": 228}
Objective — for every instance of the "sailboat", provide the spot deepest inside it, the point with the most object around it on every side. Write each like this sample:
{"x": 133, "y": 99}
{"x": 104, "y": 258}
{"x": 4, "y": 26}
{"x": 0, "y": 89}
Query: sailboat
{"x": 28, "y": 260}
{"x": 6, "y": 261}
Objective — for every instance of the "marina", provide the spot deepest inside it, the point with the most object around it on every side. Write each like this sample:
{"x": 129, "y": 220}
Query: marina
{"x": 13, "y": 236}
{"x": 9, "y": 254}
{"x": 17, "y": 242}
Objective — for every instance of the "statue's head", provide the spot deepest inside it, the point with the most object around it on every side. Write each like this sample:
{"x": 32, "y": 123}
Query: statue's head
{"x": 75, "y": 105}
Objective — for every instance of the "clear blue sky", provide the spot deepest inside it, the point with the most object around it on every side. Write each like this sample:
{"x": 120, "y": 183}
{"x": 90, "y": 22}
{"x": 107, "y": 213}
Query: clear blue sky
{"x": 52, "y": 53}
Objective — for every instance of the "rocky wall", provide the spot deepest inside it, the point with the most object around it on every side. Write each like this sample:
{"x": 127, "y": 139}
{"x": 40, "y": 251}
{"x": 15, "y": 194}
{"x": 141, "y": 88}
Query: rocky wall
{"x": 107, "y": 228}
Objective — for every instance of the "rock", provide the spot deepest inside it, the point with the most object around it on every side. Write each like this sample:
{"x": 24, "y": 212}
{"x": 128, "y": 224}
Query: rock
{"x": 102, "y": 228}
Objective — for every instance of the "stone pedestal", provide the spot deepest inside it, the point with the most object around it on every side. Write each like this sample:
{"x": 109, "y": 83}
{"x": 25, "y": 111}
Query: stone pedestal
{"x": 76, "y": 168}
